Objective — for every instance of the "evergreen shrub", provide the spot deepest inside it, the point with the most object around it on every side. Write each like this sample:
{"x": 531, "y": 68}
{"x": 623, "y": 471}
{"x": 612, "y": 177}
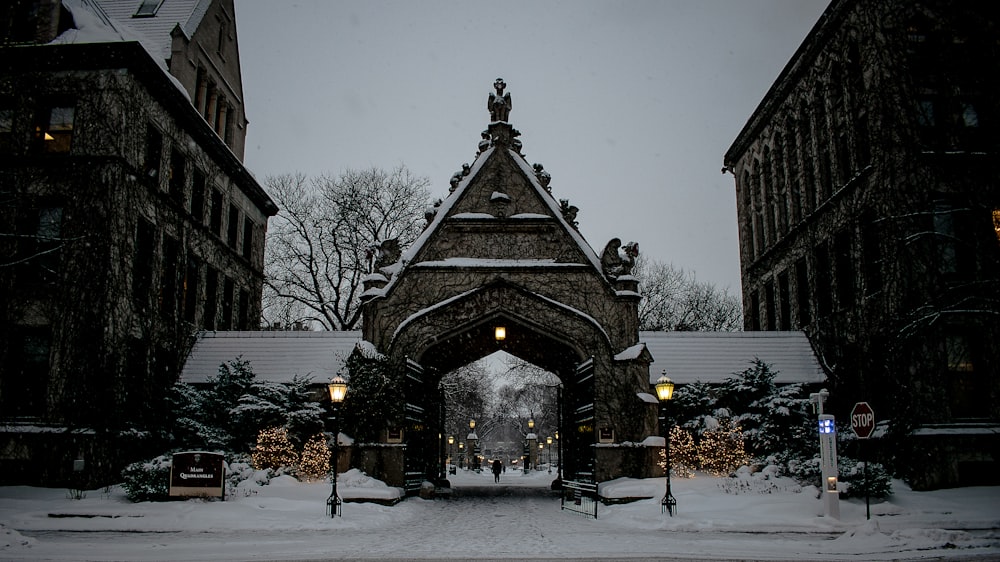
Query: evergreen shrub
{"x": 147, "y": 480}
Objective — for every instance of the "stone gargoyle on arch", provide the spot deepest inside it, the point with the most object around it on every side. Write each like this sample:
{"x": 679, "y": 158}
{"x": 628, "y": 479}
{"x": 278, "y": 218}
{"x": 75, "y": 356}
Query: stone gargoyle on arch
{"x": 501, "y": 250}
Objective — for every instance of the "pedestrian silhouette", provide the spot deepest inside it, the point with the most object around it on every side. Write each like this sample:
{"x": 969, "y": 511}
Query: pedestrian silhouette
{"x": 497, "y": 467}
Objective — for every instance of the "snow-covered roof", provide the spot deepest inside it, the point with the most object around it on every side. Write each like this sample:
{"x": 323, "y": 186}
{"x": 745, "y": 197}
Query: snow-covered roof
{"x": 156, "y": 29}
{"x": 275, "y": 356}
{"x": 712, "y": 357}
{"x": 688, "y": 357}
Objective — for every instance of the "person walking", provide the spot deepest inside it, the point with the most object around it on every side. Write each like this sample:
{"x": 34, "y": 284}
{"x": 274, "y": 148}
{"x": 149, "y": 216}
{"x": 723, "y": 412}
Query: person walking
{"x": 497, "y": 468}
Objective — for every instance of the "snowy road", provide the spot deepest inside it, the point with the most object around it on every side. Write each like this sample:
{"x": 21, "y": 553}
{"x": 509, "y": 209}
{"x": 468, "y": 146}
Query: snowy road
{"x": 519, "y": 518}
{"x": 481, "y": 522}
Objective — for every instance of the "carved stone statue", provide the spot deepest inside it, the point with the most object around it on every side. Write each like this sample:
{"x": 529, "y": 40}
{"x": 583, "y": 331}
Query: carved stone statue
{"x": 389, "y": 253}
{"x": 611, "y": 262}
{"x": 569, "y": 212}
{"x": 499, "y": 103}
{"x": 631, "y": 251}
{"x": 615, "y": 262}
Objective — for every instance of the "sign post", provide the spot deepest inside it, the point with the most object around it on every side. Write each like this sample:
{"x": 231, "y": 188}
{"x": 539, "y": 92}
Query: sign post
{"x": 198, "y": 474}
{"x": 863, "y": 424}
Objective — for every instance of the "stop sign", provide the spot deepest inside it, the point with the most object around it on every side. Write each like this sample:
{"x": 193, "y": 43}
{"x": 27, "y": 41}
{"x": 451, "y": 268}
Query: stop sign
{"x": 862, "y": 420}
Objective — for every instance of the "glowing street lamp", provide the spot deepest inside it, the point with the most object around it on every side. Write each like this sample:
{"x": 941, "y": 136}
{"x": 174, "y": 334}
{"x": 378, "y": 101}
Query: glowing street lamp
{"x": 338, "y": 391}
{"x": 665, "y": 393}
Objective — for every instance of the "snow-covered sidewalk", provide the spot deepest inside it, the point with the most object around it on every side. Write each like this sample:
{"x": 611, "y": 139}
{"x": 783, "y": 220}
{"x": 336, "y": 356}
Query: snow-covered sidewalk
{"x": 517, "y": 518}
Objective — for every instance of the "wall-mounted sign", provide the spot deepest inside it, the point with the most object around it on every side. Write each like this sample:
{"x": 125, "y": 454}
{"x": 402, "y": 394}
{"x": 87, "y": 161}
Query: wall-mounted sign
{"x": 394, "y": 435}
{"x": 198, "y": 474}
{"x": 606, "y": 435}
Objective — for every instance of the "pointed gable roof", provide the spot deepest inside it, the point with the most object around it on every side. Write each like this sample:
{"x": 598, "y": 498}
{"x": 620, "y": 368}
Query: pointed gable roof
{"x": 477, "y": 197}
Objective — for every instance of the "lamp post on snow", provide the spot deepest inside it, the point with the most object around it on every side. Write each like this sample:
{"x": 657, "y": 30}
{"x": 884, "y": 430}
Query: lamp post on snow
{"x": 548, "y": 441}
{"x": 338, "y": 391}
{"x": 665, "y": 393}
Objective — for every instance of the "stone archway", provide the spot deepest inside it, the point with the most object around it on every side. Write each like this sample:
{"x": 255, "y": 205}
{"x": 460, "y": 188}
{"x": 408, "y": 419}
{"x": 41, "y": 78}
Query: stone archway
{"x": 501, "y": 249}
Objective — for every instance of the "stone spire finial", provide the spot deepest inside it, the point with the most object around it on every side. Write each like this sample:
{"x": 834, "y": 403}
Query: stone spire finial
{"x": 499, "y": 103}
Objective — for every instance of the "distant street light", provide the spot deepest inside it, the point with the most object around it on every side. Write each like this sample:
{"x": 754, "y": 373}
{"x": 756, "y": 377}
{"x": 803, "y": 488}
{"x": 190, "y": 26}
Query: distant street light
{"x": 338, "y": 391}
{"x": 548, "y": 441}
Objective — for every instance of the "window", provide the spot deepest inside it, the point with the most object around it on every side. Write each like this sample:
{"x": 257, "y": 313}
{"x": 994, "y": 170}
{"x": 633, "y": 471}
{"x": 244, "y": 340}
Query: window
{"x": 198, "y": 196}
{"x": 177, "y": 175}
{"x": 211, "y": 298}
{"x": 845, "y": 269}
{"x": 147, "y": 8}
{"x": 6, "y": 129}
{"x": 824, "y": 300}
{"x": 26, "y": 372}
{"x": 872, "y": 248}
{"x": 39, "y": 242}
{"x": 244, "y": 310}
{"x": 969, "y": 389}
{"x": 54, "y": 129}
{"x": 784, "y": 304}
{"x": 755, "y": 312}
{"x": 142, "y": 263}
{"x": 970, "y": 117}
{"x": 228, "y": 289}
{"x": 233, "y": 227}
{"x": 191, "y": 289}
{"x": 215, "y": 220}
{"x": 154, "y": 152}
{"x": 248, "y": 228}
{"x": 944, "y": 228}
{"x": 769, "y": 306}
{"x": 802, "y": 292}
{"x": 168, "y": 277}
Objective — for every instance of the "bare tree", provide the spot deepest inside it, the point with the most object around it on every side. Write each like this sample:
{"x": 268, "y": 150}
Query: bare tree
{"x": 674, "y": 300}
{"x": 323, "y": 241}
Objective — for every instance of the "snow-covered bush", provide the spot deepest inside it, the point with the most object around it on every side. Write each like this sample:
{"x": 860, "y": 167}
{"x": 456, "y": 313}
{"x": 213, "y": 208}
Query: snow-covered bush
{"x": 234, "y": 407}
{"x": 765, "y": 481}
{"x": 852, "y": 473}
{"x": 148, "y": 480}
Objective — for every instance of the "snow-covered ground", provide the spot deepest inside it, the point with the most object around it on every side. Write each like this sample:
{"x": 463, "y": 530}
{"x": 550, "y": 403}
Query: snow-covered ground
{"x": 518, "y": 518}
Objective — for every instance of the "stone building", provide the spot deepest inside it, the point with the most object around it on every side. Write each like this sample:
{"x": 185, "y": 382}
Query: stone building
{"x": 868, "y": 203}
{"x": 127, "y": 223}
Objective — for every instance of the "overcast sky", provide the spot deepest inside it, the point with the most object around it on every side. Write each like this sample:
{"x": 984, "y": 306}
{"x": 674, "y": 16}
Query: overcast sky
{"x": 629, "y": 105}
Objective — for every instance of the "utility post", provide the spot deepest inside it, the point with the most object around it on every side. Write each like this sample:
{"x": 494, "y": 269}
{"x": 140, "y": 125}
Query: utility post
{"x": 828, "y": 456}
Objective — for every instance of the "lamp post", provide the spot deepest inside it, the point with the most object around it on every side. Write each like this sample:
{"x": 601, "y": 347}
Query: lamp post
{"x": 530, "y": 438}
{"x": 665, "y": 393}
{"x": 558, "y": 458}
{"x": 473, "y": 440}
{"x": 338, "y": 390}
{"x": 451, "y": 441}
{"x": 461, "y": 453}
{"x": 548, "y": 441}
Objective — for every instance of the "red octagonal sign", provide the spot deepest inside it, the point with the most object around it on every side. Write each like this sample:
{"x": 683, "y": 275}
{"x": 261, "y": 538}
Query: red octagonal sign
{"x": 862, "y": 420}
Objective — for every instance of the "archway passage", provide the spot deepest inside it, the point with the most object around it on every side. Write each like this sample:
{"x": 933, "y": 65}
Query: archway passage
{"x": 572, "y": 403}
{"x": 501, "y": 251}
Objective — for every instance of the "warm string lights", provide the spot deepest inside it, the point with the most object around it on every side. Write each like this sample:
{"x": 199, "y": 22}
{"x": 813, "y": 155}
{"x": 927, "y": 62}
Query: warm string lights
{"x": 273, "y": 449}
{"x": 721, "y": 450}
{"x": 314, "y": 463}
